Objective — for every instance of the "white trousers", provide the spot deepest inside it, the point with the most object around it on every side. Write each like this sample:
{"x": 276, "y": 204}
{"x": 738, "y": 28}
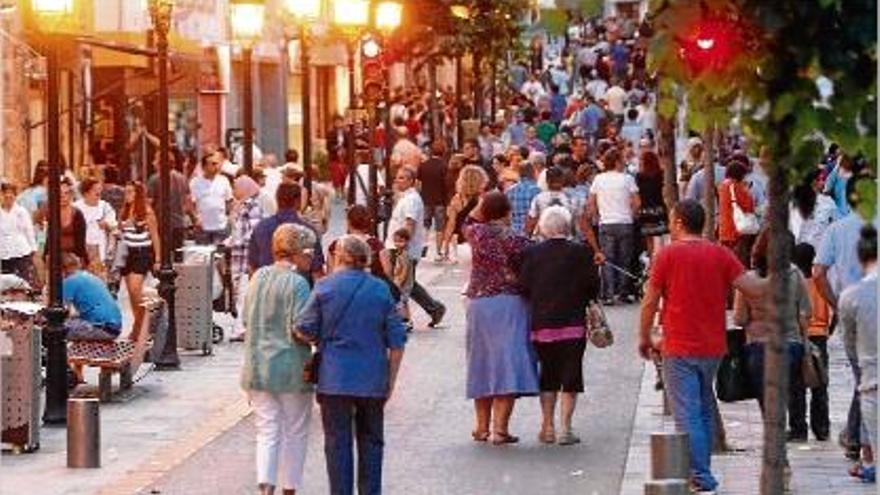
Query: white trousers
{"x": 282, "y": 422}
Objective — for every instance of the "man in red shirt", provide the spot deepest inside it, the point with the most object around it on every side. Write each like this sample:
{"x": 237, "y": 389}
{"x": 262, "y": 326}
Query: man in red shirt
{"x": 692, "y": 277}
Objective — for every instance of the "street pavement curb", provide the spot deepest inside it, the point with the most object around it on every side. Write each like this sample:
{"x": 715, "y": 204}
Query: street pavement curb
{"x": 648, "y": 408}
{"x": 170, "y": 456}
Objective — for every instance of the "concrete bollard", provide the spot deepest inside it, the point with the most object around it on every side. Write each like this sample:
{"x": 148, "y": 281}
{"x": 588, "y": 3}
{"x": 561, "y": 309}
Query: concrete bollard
{"x": 669, "y": 455}
{"x": 83, "y": 433}
{"x": 666, "y": 487}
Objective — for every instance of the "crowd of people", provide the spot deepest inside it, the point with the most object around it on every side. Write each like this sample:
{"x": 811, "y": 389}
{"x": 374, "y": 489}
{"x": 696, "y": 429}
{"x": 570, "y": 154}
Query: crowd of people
{"x": 560, "y": 200}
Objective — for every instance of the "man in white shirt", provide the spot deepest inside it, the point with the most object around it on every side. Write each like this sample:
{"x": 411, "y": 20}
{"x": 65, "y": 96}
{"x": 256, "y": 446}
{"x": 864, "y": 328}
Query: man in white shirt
{"x": 532, "y": 89}
{"x": 212, "y": 196}
{"x": 552, "y": 196}
{"x": 362, "y": 178}
{"x": 616, "y": 98}
{"x": 409, "y": 214}
{"x": 614, "y": 197}
{"x": 597, "y": 86}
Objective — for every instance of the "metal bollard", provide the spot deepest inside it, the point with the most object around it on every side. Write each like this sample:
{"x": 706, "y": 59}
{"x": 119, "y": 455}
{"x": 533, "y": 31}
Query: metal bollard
{"x": 83, "y": 433}
{"x": 670, "y": 458}
{"x": 666, "y": 487}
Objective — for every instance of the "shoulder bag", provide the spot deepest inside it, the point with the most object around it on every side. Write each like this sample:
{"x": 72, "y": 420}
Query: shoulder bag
{"x": 745, "y": 223}
{"x": 598, "y": 331}
{"x": 311, "y": 366}
{"x": 813, "y": 369}
{"x": 732, "y": 381}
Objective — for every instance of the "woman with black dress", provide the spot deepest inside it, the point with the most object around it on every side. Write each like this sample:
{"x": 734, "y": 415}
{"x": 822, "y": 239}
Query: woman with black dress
{"x": 652, "y": 214}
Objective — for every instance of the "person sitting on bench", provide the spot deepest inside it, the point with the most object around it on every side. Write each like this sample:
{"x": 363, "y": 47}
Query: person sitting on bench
{"x": 97, "y": 316}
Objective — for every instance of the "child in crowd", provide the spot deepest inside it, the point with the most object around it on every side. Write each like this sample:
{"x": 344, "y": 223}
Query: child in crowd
{"x": 399, "y": 269}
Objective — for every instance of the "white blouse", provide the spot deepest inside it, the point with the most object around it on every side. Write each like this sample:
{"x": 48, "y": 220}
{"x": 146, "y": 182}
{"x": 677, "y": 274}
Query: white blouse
{"x": 17, "y": 237}
{"x": 95, "y": 235}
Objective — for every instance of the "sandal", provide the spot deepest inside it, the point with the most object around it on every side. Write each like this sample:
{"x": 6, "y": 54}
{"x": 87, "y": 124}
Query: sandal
{"x": 503, "y": 438}
{"x": 547, "y": 436}
{"x": 480, "y": 436}
{"x": 855, "y": 470}
{"x": 569, "y": 438}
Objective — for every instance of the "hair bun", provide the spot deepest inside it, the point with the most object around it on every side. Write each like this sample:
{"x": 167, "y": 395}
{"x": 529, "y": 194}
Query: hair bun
{"x": 868, "y": 233}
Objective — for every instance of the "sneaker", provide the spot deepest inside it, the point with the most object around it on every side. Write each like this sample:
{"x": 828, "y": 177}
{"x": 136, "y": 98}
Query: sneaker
{"x": 437, "y": 316}
{"x": 868, "y": 474}
{"x": 568, "y": 438}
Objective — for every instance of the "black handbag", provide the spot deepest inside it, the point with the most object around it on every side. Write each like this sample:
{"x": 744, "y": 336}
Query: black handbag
{"x": 732, "y": 383}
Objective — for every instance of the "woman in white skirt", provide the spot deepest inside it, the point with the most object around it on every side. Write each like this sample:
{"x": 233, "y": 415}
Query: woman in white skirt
{"x": 273, "y": 365}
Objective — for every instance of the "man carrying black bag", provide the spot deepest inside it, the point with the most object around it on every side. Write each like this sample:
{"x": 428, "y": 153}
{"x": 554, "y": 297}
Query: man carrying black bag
{"x": 692, "y": 277}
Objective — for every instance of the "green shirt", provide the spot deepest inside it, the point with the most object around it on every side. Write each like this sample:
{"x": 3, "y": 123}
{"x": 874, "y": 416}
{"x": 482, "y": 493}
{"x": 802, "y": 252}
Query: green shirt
{"x": 273, "y": 362}
{"x": 545, "y": 131}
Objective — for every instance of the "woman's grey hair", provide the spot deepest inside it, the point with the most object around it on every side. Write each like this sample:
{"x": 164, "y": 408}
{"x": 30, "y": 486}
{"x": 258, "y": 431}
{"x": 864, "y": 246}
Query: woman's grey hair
{"x": 352, "y": 252}
{"x": 555, "y": 222}
{"x": 290, "y": 239}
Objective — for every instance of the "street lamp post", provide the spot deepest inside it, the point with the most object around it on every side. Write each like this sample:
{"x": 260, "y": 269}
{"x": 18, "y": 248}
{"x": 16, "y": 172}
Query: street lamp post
{"x": 49, "y": 13}
{"x": 387, "y": 19}
{"x": 246, "y": 19}
{"x": 160, "y": 13}
{"x": 305, "y": 12}
{"x": 351, "y": 17}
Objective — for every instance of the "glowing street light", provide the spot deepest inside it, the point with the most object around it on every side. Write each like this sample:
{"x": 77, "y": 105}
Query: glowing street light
{"x": 351, "y": 15}
{"x": 388, "y": 16}
{"x": 51, "y": 8}
{"x": 246, "y": 19}
{"x": 304, "y": 10}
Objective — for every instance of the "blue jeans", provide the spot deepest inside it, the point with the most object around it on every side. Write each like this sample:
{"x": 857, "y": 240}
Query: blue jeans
{"x": 688, "y": 382}
{"x": 338, "y": 414}
{"x": 616, "y": 242}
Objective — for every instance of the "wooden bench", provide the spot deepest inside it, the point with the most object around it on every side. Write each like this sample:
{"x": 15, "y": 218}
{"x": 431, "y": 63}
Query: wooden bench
{"x": 114, "y": 356}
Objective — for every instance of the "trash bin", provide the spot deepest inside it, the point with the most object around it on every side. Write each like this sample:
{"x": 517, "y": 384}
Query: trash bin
{"x": 194, "y": 298}
{"x": 21, "y": 372}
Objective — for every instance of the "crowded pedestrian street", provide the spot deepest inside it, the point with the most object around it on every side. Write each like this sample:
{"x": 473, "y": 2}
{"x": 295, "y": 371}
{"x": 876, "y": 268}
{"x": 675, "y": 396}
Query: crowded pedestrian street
{"x": 467, "y": 247}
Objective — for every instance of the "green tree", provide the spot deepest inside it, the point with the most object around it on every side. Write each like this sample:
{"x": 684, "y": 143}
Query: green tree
{"x": 782, "y": 47}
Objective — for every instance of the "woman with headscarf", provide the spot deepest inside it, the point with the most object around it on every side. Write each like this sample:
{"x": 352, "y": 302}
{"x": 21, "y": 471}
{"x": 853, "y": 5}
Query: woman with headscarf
{"x": 247, "y": 213}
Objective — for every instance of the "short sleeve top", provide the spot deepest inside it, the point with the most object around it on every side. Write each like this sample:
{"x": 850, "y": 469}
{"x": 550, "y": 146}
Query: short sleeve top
{"x": 497, "y": 255}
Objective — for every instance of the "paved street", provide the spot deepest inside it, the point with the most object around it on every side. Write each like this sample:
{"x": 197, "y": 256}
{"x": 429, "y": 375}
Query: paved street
{"x": 428, "y": 424}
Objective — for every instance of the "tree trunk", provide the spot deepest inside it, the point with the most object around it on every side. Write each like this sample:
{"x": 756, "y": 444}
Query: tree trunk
{"x": 666, "y": 153}
{"x": 775, "y": 370}
{"x": 478, "y": 84}
{"x": 709, "y": 152}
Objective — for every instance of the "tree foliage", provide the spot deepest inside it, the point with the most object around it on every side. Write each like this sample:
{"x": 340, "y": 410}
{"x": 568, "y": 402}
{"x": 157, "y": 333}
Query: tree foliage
{"x": 432, "y": 31}
{"x": 783, "y": 47}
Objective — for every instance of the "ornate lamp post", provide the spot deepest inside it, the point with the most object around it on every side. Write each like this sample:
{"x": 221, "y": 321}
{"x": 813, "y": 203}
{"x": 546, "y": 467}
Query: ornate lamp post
{"x": 246, "y": 19}
{"x": 50, "y": 13}
{"x": 387, "y": 19}
{"x": 160, "y": 14}
{"x": 305, "y": 12}
{"x": 351, "y": 17}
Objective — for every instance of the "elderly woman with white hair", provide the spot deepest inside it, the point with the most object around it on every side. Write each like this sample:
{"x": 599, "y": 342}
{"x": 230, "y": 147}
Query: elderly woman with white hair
{"x": 273, "y": 361}
{"x": 559, "y": 279}
{"x": 354, "y": 320}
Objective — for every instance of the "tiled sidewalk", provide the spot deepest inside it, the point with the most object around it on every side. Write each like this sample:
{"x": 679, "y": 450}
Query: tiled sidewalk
{"x": 818, "y": 467}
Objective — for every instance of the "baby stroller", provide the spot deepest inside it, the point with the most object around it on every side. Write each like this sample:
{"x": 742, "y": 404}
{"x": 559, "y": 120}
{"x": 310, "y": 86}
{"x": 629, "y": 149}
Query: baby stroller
{"x": 223, "y": 294}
